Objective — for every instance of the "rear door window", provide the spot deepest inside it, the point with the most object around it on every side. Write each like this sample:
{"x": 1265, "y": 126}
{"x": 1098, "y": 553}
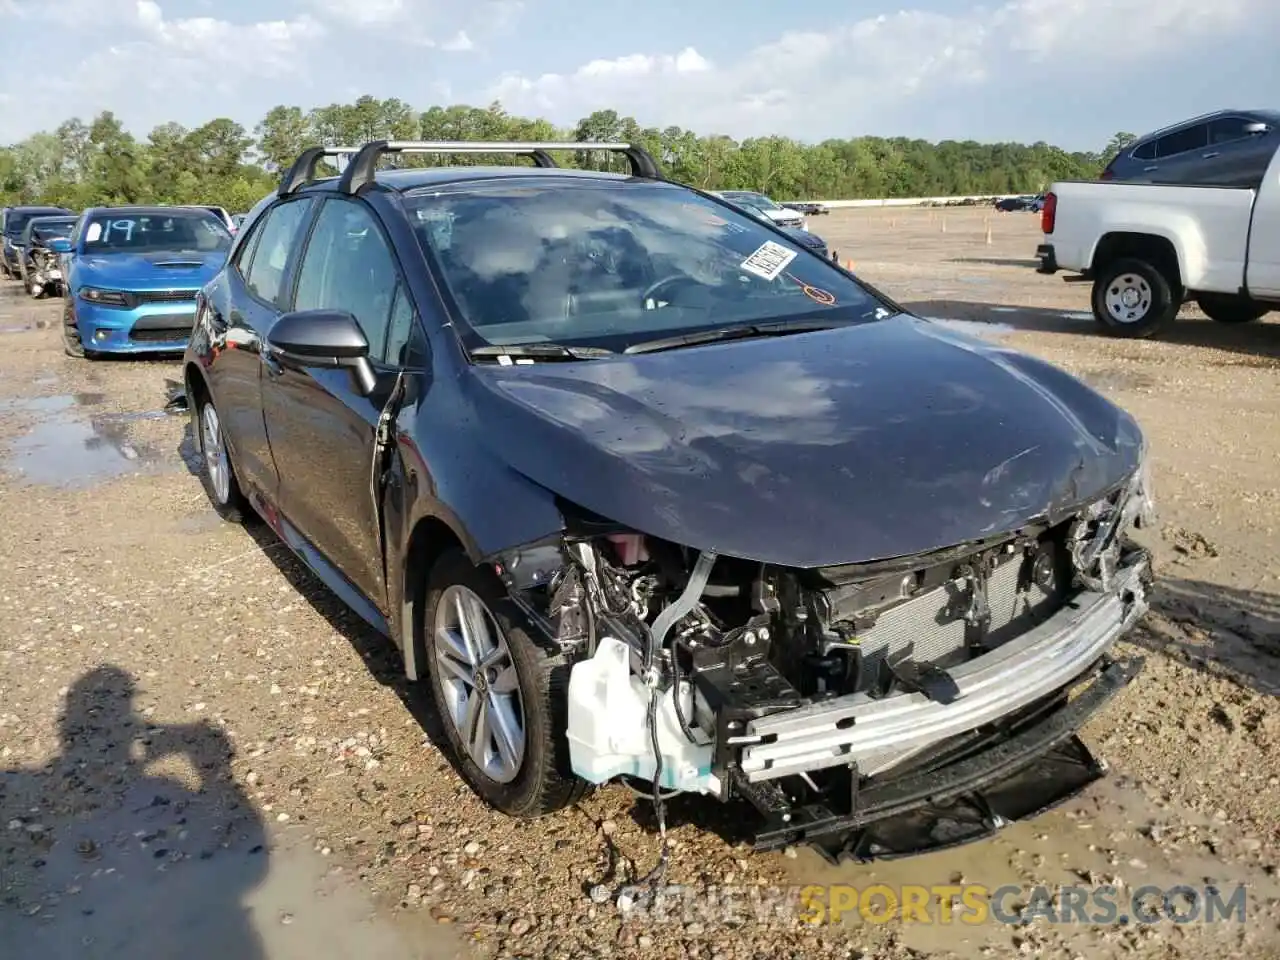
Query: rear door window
{"x": 1147, "y": 151}
{"x": 1194, "y": 137}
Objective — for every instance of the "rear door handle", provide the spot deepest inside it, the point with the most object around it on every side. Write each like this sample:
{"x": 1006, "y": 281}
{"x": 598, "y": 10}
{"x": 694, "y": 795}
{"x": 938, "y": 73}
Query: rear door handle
{"x": 1150, "y": 169}
{"x": 1209, "y": 156}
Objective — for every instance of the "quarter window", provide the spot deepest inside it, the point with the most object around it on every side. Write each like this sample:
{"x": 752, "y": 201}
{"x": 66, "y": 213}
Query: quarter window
{"x": 1147, "y": 151}
{"x": 348, "y": 266}
{"x": 270, "y": 255}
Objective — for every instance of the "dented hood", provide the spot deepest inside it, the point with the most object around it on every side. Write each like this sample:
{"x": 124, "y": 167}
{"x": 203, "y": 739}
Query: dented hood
{"x": 868, "y": 442}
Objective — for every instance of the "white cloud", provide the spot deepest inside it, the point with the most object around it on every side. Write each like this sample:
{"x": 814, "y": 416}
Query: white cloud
{"x": 459, "y": 43}
{"x": 811, "y": 84}
{"x": 1068, "y": 71}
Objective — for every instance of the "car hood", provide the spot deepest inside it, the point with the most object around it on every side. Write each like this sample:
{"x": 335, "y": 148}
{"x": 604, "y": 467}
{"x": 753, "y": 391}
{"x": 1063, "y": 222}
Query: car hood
{"x": 880, "y": 440}
{"x": 159, "y": 270}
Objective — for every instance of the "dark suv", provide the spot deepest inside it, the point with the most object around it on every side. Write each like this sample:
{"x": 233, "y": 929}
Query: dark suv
{"x": 648, "y": 490}
{"x": 1226, "y": 148}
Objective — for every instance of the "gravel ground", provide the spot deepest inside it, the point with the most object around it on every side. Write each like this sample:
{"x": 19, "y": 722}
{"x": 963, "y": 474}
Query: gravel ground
{"x": 181, "y": 700}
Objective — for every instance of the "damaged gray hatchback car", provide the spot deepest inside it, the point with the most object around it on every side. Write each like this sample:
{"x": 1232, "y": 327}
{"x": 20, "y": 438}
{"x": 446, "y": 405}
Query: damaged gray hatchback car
{"x": 646, "y": 490}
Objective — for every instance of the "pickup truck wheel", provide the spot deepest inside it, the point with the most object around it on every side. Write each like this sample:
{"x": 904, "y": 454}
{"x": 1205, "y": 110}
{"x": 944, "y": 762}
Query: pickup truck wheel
{"x": 1225, "y": 308}
{"x": 1132, "y": 298}
{"x": 502, "y": 698}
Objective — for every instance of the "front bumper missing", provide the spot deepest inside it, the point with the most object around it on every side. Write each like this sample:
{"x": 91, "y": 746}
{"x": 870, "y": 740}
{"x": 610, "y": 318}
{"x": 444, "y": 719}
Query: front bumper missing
{"x": 856, "y": 728}
{"x": 937, "y": 808}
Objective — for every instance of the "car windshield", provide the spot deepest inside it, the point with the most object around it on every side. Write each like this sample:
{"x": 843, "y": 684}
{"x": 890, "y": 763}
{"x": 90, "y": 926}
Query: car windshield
{"x": 53, "y": 229}
{"x": 609, "y": 264}
{"x": 179, "y": 232}
{"x": 17, "y": 220}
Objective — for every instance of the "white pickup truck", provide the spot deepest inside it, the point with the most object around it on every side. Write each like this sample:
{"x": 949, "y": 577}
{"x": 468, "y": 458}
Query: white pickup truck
{"x": 1148, "y": 248}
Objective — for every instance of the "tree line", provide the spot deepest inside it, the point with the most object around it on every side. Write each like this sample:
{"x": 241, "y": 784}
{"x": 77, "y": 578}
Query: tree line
{"x": 81, "y": 164}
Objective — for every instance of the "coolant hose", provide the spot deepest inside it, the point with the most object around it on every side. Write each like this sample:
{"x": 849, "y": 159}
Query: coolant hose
{"x": 683, "y": 604}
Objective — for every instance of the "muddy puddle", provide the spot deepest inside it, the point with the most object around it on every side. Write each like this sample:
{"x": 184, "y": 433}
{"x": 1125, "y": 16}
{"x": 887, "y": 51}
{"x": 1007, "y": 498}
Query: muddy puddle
{"x": 69, "y": 446}
{"x": 1111, "y": 842}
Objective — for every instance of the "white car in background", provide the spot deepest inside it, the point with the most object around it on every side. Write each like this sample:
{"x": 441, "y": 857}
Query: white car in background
{"x": 774, "y": 211}
{"x": 221, "y": 214}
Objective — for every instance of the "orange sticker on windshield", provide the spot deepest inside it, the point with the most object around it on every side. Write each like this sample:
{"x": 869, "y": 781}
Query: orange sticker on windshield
{"x": 818, "y": 296}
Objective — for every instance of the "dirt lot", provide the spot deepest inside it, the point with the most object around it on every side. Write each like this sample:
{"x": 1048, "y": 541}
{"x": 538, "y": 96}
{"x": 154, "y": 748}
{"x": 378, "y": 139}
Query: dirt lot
{"x": 200, "y": 745}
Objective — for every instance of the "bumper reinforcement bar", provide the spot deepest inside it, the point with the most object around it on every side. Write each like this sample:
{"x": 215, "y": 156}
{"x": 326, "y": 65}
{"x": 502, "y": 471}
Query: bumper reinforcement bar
{"x": 1016, "y": 779}
{"x": 856, "y": 728}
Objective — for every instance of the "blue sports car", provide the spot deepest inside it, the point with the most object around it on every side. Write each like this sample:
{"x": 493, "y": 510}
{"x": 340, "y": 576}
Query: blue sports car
{"x": 132, "y": 274}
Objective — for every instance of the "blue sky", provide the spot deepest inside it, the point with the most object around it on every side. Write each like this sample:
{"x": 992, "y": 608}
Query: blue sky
{"x": 1068, "y": 71}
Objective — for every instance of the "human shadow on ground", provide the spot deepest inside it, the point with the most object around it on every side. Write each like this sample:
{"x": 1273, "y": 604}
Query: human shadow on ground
{"x": 103, "y": 859}
{"x": 1260, "y": 341}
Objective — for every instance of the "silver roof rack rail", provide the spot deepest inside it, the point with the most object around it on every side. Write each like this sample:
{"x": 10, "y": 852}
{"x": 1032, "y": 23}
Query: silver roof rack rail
{"x": 361, "y": 170}
{"x": 303, "y": 170}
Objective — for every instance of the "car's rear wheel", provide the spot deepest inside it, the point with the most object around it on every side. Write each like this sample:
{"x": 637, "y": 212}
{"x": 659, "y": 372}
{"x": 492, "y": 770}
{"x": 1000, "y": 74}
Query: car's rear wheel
{"x": 217, "y": 473}
{"x": 1132, "y": 298}
{"x": 1225, "y": 308}
{"x": 502, "y": 698}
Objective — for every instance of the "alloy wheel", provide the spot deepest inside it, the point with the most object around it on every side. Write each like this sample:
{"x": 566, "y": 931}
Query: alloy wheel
{"x": 215, "y": 453}
{"x": 481, "y": 688}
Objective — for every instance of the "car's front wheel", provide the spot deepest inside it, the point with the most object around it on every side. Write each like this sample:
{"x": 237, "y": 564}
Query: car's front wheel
{"x": 217, "y": 474}
{"x": 503, "y": 699}
{"x": 72, "y": 345}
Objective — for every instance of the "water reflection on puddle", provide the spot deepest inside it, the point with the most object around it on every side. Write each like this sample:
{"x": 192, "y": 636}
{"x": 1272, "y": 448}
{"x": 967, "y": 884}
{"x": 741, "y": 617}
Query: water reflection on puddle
{"x": 65, "y": 448}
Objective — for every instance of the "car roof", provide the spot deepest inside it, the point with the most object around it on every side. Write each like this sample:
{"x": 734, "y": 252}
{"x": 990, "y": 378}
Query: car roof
{"x": 415, "y": 178}
{"x": 150, "y": 209}
{"x": 1272, "y": 115}
{"x": 37, "y": 207}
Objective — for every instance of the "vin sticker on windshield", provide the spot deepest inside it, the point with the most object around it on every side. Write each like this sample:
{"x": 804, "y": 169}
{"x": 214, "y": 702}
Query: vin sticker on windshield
{"x": 769, "y": 261}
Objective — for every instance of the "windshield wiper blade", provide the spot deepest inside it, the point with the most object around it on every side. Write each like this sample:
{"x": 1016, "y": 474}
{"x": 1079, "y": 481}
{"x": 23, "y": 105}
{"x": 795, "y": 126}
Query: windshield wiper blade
{"x": 739, "y": 332}
{"x": 539, "y": 352}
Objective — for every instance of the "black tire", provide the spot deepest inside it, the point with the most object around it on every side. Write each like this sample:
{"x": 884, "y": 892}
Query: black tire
{"x": 1154, "y": 306}
{"x": 1225, "y": 308}
{"x": 37, "y": 294}
{"x": 229, "y": 503}
{"x": 545, "y": 783}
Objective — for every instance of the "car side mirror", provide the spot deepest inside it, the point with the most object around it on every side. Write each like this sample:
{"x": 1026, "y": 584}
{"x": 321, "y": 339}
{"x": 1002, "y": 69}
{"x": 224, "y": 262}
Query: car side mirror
{"x": 1252, "y": 129}
{"x": 324, "y": 338}
{"x": 59, "y": 245}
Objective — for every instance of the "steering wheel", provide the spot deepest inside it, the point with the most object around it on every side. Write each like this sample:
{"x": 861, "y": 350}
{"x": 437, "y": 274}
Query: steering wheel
{"x": 650, "y": 292}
